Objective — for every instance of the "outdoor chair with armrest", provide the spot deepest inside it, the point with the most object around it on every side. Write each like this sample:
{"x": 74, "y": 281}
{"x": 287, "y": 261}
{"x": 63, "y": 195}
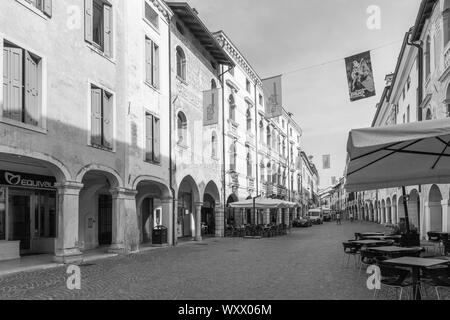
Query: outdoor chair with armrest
{"x": 351, "y": 250}
{"x": 393, "y": 278}
{"x": 438, "y": 278}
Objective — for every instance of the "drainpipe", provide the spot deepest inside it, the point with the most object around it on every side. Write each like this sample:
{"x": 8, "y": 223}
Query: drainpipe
{"x": 174, "y": 210}
{"x": 256, "y": 141}
{"x": 418, "y": 45}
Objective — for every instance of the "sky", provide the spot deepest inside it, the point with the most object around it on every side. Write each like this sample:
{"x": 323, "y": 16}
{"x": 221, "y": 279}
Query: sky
{"x": 278, "y": 37}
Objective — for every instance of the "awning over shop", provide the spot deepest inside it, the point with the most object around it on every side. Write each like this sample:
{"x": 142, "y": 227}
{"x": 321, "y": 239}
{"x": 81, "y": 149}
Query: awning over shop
{"x": 264, "y": 204}
{"x": 400, "y": 155}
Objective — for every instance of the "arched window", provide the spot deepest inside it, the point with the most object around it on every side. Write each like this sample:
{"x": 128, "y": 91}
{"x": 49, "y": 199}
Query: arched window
{"x": 446, "y": 15}
{"x": 275, "y": 139}
{"x": 232, "y": 107}
{"x": 262, "y": 171}
{"x": 214, "y": 145}
{"x": 447, "y": 101}
{"x": 249, "y": 165}
{"x": 213, "y": 84}
{"x": 274, "y": 174}
{"x": 233, "y": 157}
{"x": 427, "y": 57}
{"x": 429, "y": 115}
{"x": 181, "y": 64}
{"x": 278, "y": 144}
{"x": 269, "y": 172}
{"x": 249, "y": 120}
{"x": 284, "y": 147}
{"x": 182, "y": 128}
{"x": 279, "y": 175}
{"x": 269, "y": 136}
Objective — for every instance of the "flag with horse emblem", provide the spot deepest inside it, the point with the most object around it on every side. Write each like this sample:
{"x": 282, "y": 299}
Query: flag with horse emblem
{"x": 360, "y": 76}
{"x": 211, "y": 107}
{"x": 273, "y": 97}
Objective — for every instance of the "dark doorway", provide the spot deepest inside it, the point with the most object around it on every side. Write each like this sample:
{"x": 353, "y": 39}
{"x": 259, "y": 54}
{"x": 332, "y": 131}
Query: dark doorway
{"x": 147, "y": 220}
{"x": 20, "y": 207}
{"x": 208, "y": 216}
{"x": 104, "y": 220}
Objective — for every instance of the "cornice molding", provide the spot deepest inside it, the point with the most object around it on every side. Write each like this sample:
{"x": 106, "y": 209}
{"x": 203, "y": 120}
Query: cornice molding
{"x": 237, "y": 56}
{"x": 162, "y": 7}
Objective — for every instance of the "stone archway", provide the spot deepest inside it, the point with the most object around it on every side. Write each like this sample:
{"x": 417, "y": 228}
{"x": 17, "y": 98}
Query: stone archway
{"x": 414, "y": 208}
{"x": 212, "y": 211}
{"x": 189, "y": 210}
{"x": 154, "y": 205}
{"x": 433, "y": 217}
{"x": 388, "y": 211}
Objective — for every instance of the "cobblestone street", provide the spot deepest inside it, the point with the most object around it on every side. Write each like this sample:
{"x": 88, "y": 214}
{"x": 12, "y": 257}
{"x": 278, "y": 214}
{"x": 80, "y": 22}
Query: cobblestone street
{"x": 307, "y": 264}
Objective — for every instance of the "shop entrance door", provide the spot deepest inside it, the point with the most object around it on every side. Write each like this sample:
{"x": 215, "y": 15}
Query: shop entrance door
{"x": 19, "y": 206}
{"x": 104, "y": 220}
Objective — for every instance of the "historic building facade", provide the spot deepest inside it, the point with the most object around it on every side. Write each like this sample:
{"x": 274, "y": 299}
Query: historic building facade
{"x": 119, "y": 117}
{"x": 419, "y": 90}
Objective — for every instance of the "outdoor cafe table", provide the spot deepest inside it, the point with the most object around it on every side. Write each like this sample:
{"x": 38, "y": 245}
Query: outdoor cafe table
{"x": 369, "y": 242}
{"x": 393, "y": 237}
{"x": 395, "y": 250}
{"x": 415, "y": 264}
{"x": 369, "y": 234}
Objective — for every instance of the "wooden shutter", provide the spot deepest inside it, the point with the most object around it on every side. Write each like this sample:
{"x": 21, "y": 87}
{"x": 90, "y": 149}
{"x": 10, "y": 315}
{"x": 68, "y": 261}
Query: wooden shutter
{"x": 108, "y": 120}
{"x": 156, "y": 139}
{"x": 148, "y": 60}
{"x": 48, "y": 7}
{"x": 88, "y": 20}
{"x": 32, "y": 113}
{"x": 12, "y": 76}
{"x": 149, "y": 137}
{"x": 96, "y": 116}
{"x": 155, "y": 66}
{"x": 107, "y": 27}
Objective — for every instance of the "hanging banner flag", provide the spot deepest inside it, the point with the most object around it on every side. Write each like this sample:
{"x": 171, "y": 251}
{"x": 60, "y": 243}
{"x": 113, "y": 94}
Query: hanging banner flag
{"x": 273, "y": 97}
{"x": 326, "y": 161}
{"x": 360, "y": 76}
{"x": 211, "y": 107}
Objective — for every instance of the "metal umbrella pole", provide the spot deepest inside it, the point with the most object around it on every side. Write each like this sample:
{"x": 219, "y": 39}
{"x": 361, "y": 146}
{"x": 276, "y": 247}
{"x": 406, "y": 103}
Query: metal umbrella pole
{"x": 405, "y": 206}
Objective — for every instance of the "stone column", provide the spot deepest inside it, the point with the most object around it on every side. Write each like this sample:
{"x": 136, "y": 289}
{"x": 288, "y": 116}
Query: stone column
{"x": 125, "y": 228}
{"x": 67, "y": 246}
{"x": 220, "y": 220}
{"x": 167, "y": 219}
{"x": 198, "y": 221}
{"x": 445, "y": 215}
{"x": 266, "y": 216}
{"x": 279, "y": 216}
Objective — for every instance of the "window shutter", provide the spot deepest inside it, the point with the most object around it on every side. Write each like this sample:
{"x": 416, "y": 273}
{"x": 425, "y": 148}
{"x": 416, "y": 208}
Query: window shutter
{"x": 108, "y": 121}
{"x": 48, "y": 7}
{"x": 107, "y": 27}
{"x": 148, "y": 60}
{"x": 157, "y": 139}
{"x": 14, "y": 79}
{"x": 155, "y": 66}
{"x": 96, "y": 116}
{"x": 88, "y": 20}
{"x": 32, "y": 115}
{"x": 149, "y": 137}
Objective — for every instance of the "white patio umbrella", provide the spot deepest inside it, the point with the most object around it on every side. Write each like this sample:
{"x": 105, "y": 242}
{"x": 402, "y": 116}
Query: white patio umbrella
{"x": 399, "y": 156}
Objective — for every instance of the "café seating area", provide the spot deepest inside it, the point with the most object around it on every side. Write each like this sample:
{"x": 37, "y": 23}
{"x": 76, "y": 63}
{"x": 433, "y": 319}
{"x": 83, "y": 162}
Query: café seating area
{"x": 256, "y": 231}
{"x": 406, "y": 272}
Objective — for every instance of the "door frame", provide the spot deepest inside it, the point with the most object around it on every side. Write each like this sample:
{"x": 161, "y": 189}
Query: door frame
{"x": 23, "y": 193}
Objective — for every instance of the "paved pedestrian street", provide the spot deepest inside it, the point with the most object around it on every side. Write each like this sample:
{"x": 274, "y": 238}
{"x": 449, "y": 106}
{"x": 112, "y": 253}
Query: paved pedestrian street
{"x": 306, "y": 264}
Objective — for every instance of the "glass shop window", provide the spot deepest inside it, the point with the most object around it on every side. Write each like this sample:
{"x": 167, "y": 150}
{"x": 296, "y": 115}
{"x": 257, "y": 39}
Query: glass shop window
{"x": 45, "y": 215}
{"x": 2, "y": 214}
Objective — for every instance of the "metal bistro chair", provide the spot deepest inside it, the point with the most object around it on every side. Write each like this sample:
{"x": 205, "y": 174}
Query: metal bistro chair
{"x": 393, "y": 278}
{"x": 351, "y": 250}
{"x": 367, "y": 258}
{"x": 435, "y": 239}
{"x": 438, "y": 278}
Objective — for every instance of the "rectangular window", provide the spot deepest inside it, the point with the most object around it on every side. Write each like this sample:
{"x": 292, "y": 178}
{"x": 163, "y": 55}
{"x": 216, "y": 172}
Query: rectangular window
{"x": 408, "y": 83}
{"x": 152, "y": 138}
{"x": 408, "y": 114}
{"x": 22, "y": 78}
{"x": 151, "y": 15}
{"x": 151, "y": 63}
{"x": 98, "y": 19}
{"x": 42, "y": 5}
{"x": 260, "y": 100}
{"x": 102, "y": 119}
{"x": 248, "y": 86}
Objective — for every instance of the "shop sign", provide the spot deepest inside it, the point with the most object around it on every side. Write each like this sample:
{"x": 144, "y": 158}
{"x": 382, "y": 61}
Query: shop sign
{"x": 25, "y": 180}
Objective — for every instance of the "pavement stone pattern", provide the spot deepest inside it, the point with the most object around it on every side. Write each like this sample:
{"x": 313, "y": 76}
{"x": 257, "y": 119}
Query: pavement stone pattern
{"x": 307, "y": 264}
